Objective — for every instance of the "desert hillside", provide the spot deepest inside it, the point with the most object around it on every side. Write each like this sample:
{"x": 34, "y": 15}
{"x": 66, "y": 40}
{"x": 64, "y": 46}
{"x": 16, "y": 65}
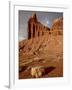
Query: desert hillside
{"x": 41, "y": 51}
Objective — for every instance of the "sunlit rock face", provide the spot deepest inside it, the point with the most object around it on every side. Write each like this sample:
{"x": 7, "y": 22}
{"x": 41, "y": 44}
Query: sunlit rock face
{"x": 57, "y": 26}
{"x": 35, "y": 28}
{"x": 37, "y": 71}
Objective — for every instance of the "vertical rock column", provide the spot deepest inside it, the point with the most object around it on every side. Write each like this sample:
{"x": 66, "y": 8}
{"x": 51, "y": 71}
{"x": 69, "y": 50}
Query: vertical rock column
{"x": 31, "y": 30}
{"x": 35, "y": 31}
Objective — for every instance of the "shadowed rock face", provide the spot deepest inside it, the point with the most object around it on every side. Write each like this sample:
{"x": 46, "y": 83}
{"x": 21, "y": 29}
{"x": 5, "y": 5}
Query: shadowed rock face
{"x": 44, "y": 50}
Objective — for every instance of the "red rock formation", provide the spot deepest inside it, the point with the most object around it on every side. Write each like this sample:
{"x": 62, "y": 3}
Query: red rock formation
{"x": 41, "y": 49}
{"x": 57, "y": 27}
{"x": 35, "y": 28}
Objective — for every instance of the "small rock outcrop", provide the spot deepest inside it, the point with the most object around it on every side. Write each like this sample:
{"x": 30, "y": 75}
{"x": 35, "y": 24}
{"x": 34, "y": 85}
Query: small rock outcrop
{"x": 37, "y": 71}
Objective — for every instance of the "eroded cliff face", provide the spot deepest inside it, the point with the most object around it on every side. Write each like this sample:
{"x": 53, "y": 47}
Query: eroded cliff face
{"x": 35, "y": 28}
{"x": 57, "y": 26}
{"x": 44, "y": 49}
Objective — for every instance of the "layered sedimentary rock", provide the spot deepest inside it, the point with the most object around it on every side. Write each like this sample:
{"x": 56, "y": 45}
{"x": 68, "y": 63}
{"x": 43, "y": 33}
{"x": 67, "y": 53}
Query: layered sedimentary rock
{"x": 35, "y": 28}
{"x": 57, "y": 26}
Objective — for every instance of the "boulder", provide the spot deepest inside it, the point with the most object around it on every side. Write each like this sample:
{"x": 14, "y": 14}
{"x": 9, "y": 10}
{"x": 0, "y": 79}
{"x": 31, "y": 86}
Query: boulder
{"x": 37, "y": 71}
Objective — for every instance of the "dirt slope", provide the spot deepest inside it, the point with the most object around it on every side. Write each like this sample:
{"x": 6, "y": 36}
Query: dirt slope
{"x": 44, "y": 51}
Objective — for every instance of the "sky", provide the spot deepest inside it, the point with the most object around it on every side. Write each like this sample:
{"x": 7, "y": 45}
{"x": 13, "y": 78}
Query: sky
{"x": 45, "y": 18}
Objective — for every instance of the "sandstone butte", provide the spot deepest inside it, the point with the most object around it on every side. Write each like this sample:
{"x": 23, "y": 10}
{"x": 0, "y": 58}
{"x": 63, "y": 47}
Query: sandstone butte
{"x": 44, "y": 47}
